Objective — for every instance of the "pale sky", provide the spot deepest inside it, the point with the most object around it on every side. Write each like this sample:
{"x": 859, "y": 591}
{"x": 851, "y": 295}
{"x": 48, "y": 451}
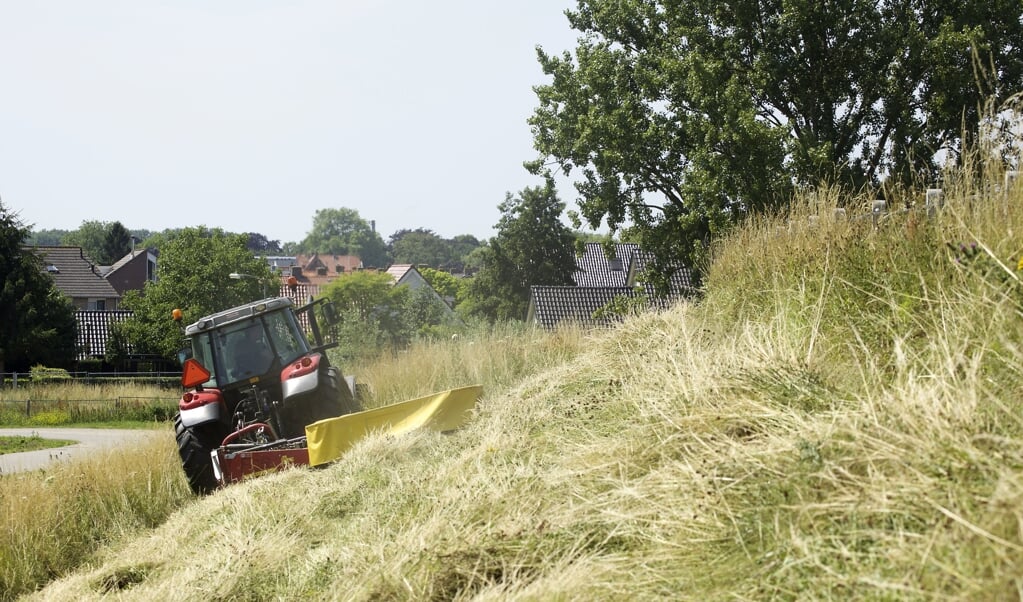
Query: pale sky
{"x": 249, "y": 115}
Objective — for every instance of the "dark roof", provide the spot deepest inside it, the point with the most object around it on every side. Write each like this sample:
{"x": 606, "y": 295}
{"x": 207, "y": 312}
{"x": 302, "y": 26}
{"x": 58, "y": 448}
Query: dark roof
{"x": 94, "y": 330}
{"x": 597, "y": 269}
{"x": 680, "y": 285}
{"x": 75, "y": 274}
{"x": 120, "y": 263}
{"x": 550, "y": 305}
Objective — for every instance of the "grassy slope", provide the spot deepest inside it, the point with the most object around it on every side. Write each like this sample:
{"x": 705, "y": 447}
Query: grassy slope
{"x": 840, "y": 418}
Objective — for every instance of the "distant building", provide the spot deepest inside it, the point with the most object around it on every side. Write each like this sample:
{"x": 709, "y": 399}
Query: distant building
{"x": 311, "y": 273}
{"x": 78, "y": 278}
{"x": 131, "y": 272}
{"x": 407, "y": 274}
{"x": 600, "y": 279}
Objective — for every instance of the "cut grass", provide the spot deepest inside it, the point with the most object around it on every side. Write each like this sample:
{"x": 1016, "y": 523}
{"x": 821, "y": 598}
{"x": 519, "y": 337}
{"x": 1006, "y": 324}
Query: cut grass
{"x": 839, "y": 418}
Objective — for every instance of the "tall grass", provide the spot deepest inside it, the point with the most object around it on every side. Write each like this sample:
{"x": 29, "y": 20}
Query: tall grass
{"x": 57, "y": 519}
{"x": 54, "y": 520}
{"x": 58, "y": 403}
{"x": 838, "y": 418}
{"x": 495, "y": 357}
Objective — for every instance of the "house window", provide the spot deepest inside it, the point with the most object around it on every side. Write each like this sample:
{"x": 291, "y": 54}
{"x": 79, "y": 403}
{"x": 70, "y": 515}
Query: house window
{"x": 151, "y": 270}
{"x": 101, "y": 304}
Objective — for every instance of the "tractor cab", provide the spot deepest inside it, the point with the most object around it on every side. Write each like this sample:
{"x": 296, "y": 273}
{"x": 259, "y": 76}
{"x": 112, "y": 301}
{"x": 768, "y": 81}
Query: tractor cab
{"x": 247, "y": 344}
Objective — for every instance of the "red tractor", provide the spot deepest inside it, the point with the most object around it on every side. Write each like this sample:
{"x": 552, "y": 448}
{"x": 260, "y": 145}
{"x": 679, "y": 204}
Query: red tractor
{"x": 254, "y": 379}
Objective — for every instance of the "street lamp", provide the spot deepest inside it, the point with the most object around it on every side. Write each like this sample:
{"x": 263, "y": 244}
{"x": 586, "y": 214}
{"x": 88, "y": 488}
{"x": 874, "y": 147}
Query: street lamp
{"x": 237, "y": 276}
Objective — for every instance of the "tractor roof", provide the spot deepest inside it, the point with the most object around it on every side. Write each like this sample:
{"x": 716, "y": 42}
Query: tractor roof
{"x": 235, "y": 314}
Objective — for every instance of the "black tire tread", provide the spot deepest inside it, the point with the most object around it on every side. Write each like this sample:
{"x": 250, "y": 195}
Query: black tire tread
{"x": 194, "y": 447}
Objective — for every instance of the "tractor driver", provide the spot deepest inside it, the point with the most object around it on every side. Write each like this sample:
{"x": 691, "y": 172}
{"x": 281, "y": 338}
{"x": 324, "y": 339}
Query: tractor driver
{"x": 251, "y": 354}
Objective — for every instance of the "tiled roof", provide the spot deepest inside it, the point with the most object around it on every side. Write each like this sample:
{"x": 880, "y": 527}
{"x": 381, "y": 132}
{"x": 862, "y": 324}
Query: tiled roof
{"x": 301, "y": 294}
{"x": 550, "y": 305}
{"x": 120, "y": 263}
{"x": 680, "y": 284}
{"x": 399, "y": 270}
{"x": 314, "y": 271}
{"x": 94, "y": 330}
{"x": 75, "y": 274}
{"x": 597, "y": 269}
{"x": 333, "y": 265}
{"x": 599, "y": 281}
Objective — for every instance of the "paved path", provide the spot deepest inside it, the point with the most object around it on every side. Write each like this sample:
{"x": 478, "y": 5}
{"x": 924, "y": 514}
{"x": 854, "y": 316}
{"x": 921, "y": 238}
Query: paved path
{"x": 89, "y": 440}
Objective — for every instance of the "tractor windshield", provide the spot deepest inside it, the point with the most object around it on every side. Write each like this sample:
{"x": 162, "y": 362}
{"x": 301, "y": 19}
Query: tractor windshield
{"x": 250, "y": 348}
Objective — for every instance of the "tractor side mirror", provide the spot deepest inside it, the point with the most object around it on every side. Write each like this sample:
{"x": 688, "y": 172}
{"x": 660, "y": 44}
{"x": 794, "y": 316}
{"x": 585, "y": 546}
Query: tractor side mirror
{"x": 184, "y": 353}
{"x": 329, "y": 313}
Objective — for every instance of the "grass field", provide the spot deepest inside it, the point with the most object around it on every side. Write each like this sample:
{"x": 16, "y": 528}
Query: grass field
{"x": 839, "y": 417}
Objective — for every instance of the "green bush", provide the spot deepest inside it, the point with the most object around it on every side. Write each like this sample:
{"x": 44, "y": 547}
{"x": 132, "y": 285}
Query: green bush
{"x": 44, "y": 374}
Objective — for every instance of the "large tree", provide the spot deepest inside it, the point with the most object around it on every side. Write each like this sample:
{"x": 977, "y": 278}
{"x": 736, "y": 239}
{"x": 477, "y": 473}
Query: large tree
{"x": 91, "y": 235}
{"x": 343, "y": 232}
{"x": 372, "y": 312}
{"x": 37, "y": 323}
{"x": 116, "y": 244}
{"x": 419, "y": 246}
{"x": 258, "y": 243}
{"x": 532, "y": 247}
{"x": 194, "y": 276}
{"x": 682, "y": 117}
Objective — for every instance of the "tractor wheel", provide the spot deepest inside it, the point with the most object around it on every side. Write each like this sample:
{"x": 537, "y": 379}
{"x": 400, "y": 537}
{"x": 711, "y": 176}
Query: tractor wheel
{"x": 346, "y": 398}
{"x": 332, "y": 398}
{"x": 194, "y": 446}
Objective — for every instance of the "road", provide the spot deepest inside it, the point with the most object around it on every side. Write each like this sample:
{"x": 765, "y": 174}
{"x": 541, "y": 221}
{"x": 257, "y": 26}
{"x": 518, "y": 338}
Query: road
{"x": 89, "y": 440}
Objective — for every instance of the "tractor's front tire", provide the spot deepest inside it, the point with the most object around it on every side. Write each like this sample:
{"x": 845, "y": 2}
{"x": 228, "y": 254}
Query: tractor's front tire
{"x": 194, "y": 447}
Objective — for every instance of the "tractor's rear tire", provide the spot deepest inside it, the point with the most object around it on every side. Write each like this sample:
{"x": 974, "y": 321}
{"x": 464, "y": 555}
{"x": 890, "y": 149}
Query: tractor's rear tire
{"x": 194, "y": 446}
{"x": 331, "y": 399}
{"x": 347, "y": 404}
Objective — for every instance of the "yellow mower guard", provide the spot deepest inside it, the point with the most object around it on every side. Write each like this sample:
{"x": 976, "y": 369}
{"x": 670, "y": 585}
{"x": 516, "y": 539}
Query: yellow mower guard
{"x": 330, "y": 438}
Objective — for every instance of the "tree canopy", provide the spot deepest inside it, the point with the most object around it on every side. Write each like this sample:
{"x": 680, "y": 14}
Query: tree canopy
{"x": 91, "y": 236}
{"x": 116, "y": 243}
{"x": 422, "y": 246}
{"x": 343, "y": 232}
{"x": 37, "y": 323}
{"x": 682, "y": 117}
{"x": 259, "y": 243}
{"x": 532, "y": 247}
{"x": 193, "y": 275}
{"x": 419, "y": 246}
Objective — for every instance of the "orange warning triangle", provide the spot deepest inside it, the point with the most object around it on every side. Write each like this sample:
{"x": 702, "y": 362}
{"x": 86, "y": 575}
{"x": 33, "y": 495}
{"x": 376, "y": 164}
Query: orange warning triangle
{"x": 193, "y": 374}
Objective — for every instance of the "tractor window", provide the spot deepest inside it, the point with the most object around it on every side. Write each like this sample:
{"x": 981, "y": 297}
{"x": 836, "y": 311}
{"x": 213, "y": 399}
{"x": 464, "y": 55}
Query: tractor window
{"x": 245, "y": 350}
{"x": 288, "y": 342}
{"x": 202, "y": 350}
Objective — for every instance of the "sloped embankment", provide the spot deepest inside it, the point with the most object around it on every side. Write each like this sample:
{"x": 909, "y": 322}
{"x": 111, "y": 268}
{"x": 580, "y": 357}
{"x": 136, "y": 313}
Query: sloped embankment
{"x": 839, "y": 418}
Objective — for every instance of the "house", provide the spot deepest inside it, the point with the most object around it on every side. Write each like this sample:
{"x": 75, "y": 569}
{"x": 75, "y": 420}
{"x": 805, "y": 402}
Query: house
{"x": 131, "y": 272}
{"x": 94, "y": 330}
{"x": 552, "y": 305}
{"x": 595, "y": 268}
{"x": 407, "y": 274}
{"x": 680, "y": 285}
{"x": 599, "y": 280}
{"x": 311, "y": 272}
{"x": 77, "y": 277}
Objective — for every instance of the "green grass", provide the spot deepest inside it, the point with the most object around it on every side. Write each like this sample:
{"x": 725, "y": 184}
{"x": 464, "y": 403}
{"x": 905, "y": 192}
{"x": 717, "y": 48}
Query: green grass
{"x": 60, "y": 405}
{"x": 18, "y": 444}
